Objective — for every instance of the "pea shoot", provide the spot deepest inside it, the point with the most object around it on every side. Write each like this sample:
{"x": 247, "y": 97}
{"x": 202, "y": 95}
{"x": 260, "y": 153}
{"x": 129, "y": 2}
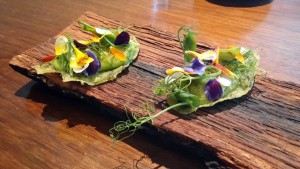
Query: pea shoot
{"x": 205, "y": 79}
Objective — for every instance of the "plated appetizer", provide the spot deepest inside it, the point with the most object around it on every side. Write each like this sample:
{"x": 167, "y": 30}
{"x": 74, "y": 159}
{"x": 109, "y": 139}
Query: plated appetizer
{"x": 94, "y": 61}
{"x": 205, "y": 79}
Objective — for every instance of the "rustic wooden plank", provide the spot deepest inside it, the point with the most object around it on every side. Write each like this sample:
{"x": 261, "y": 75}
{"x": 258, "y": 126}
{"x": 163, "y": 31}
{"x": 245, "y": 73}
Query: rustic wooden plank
{"x": 42, "y": 129}
{"x": 260, "y": 130}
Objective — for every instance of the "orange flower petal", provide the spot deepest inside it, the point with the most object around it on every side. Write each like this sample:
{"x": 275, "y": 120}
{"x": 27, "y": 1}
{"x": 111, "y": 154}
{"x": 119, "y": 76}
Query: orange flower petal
{"x": 117, "y": 53}
{"x": 225, "y": 70}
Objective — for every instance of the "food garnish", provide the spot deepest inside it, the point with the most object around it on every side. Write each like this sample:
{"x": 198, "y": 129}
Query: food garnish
{"x": 205, "y": 79}
{"x": 91, "y": 61}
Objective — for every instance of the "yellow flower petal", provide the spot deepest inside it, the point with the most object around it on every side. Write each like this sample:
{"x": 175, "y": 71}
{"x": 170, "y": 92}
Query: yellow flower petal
{"x": 117, "y": 53}
{"x": 80, "y": 61}
{"x": 78, "y": 53}
{"x": 73, "y": 62}
{"x": 61, "y": 45}
{"x": 204, "y": 55}
{"x": 217, "y": 50}
{"x": 174, "y": 69}
{"x": 95, "y": 38}
{"x": 240, "y": 58}
{"x": 193, "y": 53}
{"x": 84, "y": 42}
{"x": 207, "y": 54}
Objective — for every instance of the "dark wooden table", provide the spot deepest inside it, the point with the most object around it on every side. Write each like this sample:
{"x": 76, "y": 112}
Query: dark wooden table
{"x": 42, "y": 129}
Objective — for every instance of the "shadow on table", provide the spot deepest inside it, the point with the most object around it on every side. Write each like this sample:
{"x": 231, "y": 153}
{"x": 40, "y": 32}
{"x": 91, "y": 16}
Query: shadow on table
{"x": 159, "y": 147}
{"x": 240, "y": 3}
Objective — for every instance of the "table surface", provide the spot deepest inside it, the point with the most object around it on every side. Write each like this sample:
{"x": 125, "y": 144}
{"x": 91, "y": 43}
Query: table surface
{"x": 40, "y": 128}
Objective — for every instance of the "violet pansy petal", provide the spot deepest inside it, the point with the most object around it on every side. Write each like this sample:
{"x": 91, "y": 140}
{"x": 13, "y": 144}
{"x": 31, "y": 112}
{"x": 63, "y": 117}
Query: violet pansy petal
{"x": 93, "y": 66}
{"x": 122, "y": 38}
{"x": 188, "y": 70}
{"x": 213, "y": 90}
{"x": 198, "y": 66}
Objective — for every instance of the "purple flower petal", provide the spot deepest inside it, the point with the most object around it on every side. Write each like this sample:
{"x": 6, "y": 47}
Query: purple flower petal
{"x": 213, "y": 90}
{"x": 188, "y": 70}
{"x": 198, "y": 66}
{"x": 79, "y": 45}
{"x": 122, "y": 38}
{"x": 93, "y": 66}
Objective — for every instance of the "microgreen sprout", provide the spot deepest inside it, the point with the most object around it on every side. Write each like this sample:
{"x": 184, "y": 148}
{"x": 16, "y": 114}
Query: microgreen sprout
{"x": 205, "y": 79}
{"x": 129, "y": 127}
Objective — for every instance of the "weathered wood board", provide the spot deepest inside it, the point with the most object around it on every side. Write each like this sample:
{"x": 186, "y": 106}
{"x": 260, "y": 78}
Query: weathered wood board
{"x": 260, "y": 130}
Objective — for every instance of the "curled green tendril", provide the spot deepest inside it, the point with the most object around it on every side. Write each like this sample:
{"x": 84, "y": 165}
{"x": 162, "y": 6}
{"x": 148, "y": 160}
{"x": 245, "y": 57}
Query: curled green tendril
{"x": 129, "y": 127}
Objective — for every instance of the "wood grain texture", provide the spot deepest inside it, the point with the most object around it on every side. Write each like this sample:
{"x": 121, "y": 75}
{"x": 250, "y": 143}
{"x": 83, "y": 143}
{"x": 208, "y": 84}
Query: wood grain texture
{"x": 44, "y": 129}
{"x": 260, "y": 130}
{"x": 273, "y": 28}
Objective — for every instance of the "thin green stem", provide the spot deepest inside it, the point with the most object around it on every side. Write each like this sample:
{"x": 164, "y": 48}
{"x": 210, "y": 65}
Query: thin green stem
{"x": 87, "y": 27}
{"x": 178, "y": 35}
{"x": 108, "y": 41}
{"x": 190, "y": 77}
{"x": 129, "y": 127}
{"x": 161, "y": 112}
{"x": 190, "y": 82}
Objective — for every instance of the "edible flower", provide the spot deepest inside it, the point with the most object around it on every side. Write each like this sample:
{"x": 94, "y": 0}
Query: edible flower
{"x": 61, "y": 45}
{"x": 232, "y": 52}
{"x": 80, "y": 61}
{"x": 225, "y": 70}
{"x": 224, "y": 80}
{"x": 96, "y": 38}
{"x": 174, "y": 69}
{"x": 172, "y": 77}
{"x": 122, "y": 38}
{"x": 117, "y": 53}
{"x": 208, "y": 55}
{"x": 84, "y": 43}
{"x": 217, "y": 50}
{"x": 94, "y": 66}
{"x": 80, "y": 44}
{"x": 239, "y": 56}
{"x": 49, "y": 58}
{"x": 213, "y": 90}
{"x": 196, "y": 67}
